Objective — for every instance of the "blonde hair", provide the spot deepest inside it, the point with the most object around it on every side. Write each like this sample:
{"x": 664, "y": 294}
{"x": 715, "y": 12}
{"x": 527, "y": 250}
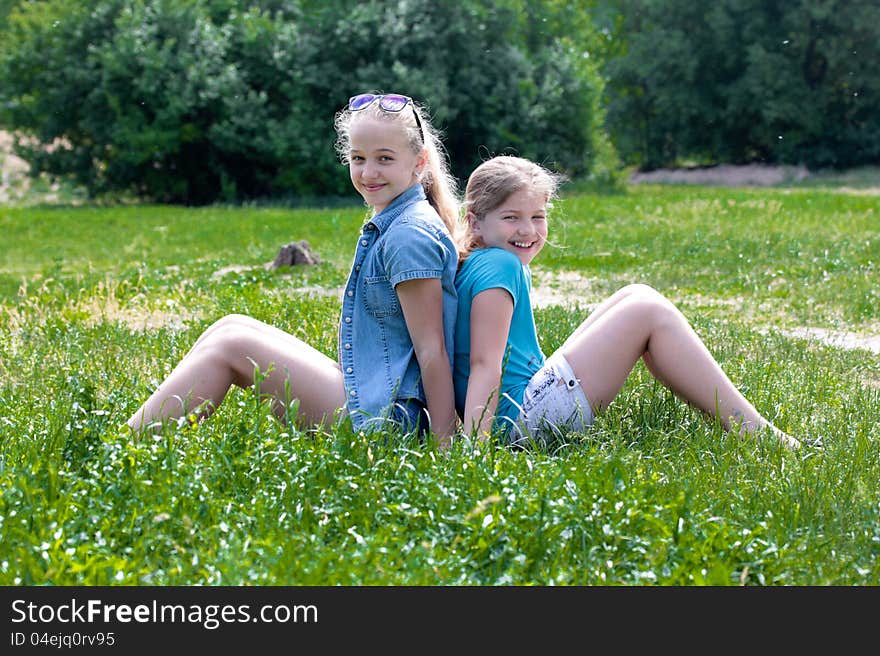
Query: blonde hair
{"x": 439, "y": 184}
{"x": 493, "y": 182}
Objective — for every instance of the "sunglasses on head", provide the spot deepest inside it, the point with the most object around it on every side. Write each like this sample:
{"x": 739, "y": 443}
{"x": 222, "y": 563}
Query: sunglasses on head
{"x": 388, "y": 102}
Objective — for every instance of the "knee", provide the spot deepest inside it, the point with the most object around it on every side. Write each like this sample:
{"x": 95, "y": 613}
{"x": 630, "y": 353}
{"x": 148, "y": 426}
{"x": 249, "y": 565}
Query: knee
{"x": 653, "y": 309}
{"x": 232, "y": 320}
{"x": 228, "y": 324}
{"x": 642, "y": 290}
{"x": 227, "y": 333}
{"x": 647, "y": 293}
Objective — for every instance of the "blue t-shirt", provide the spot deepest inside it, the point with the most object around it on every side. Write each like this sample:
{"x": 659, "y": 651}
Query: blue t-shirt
{"x": 405, "y": 241}
{"x": 496, "y": 268}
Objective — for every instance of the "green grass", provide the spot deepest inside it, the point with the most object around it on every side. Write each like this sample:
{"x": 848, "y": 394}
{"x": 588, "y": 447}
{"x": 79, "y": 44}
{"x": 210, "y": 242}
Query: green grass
{"x": 98, "y": 303}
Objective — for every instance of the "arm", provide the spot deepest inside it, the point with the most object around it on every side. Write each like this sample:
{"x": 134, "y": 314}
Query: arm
{"x": 491, "y": 313}
{"x": 422, "y": 302}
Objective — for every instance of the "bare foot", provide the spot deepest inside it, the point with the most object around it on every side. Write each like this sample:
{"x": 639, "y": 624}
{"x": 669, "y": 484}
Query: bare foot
{"x": 786, "y": 439}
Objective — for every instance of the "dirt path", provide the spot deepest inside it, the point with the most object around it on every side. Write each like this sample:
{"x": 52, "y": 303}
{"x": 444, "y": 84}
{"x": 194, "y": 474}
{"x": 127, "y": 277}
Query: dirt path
{"x": 860, "y": 181}
{"x": 726, "y": 175}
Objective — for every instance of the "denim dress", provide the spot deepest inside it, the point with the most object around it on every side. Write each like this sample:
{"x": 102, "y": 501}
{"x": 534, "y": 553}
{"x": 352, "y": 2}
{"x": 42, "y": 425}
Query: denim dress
{"x": 405, "y": 241}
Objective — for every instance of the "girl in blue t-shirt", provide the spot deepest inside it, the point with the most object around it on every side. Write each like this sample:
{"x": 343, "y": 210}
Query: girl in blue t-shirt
{"x": 504, "y": 385}
{"x": 398, "y": 308}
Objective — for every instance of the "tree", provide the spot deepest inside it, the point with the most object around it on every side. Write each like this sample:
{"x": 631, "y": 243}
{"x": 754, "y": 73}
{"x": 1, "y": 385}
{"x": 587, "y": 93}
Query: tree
{"x": 746, "y": 80}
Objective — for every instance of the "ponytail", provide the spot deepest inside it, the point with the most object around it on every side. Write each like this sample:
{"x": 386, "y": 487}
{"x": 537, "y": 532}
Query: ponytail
{"x": 439, "y": 184}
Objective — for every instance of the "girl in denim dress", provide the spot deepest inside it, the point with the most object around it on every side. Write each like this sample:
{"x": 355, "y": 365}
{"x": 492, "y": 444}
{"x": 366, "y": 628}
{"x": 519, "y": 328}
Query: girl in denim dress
{"x": 503, "y": 383}
{"x": 394, "y": 361}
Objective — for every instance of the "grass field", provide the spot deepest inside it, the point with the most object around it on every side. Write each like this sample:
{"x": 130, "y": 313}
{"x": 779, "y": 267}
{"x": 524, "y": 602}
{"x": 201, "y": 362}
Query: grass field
{"x": 98, "y": 303}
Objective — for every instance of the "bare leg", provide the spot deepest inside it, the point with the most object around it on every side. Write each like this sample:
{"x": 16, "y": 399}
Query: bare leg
{"x": 636, "y": 289}
{"x": 222, "y": 357}
{"x": 641, "y": 323}
{"x": 611, "y": 301}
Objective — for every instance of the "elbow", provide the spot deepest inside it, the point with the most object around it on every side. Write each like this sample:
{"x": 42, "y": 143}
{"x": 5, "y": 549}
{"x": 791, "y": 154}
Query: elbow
{"x": 428, "y": 354}
{"x": 485, "y": 367}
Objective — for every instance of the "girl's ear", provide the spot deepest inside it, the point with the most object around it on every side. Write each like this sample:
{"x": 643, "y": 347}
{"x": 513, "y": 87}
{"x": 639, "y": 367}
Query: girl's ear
{"x": 422, "y": 162}
{"x": 473, "y": 222}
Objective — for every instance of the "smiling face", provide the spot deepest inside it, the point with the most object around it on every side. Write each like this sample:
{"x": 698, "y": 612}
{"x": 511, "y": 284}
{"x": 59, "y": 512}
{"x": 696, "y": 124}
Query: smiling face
{"x": 518, "y": 224}
{"x": 381, "y": 161}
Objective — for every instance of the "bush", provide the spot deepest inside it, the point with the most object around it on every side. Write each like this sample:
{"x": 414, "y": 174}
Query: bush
{"x": 195, "y": 101}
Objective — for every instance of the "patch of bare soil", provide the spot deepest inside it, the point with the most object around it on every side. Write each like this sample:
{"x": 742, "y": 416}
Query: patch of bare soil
{"x": 838, "y": 338}
{"x": 560, "y": 288}
{"x": 867, "y": 191}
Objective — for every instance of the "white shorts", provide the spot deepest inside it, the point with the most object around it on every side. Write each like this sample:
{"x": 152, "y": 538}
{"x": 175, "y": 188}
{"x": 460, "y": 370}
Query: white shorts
{"x": 553, "y": 404}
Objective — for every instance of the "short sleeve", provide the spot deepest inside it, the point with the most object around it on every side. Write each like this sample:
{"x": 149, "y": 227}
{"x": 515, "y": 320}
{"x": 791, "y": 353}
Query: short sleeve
{"x": 499, "y": 269}
{"x": 414, "y": 251}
